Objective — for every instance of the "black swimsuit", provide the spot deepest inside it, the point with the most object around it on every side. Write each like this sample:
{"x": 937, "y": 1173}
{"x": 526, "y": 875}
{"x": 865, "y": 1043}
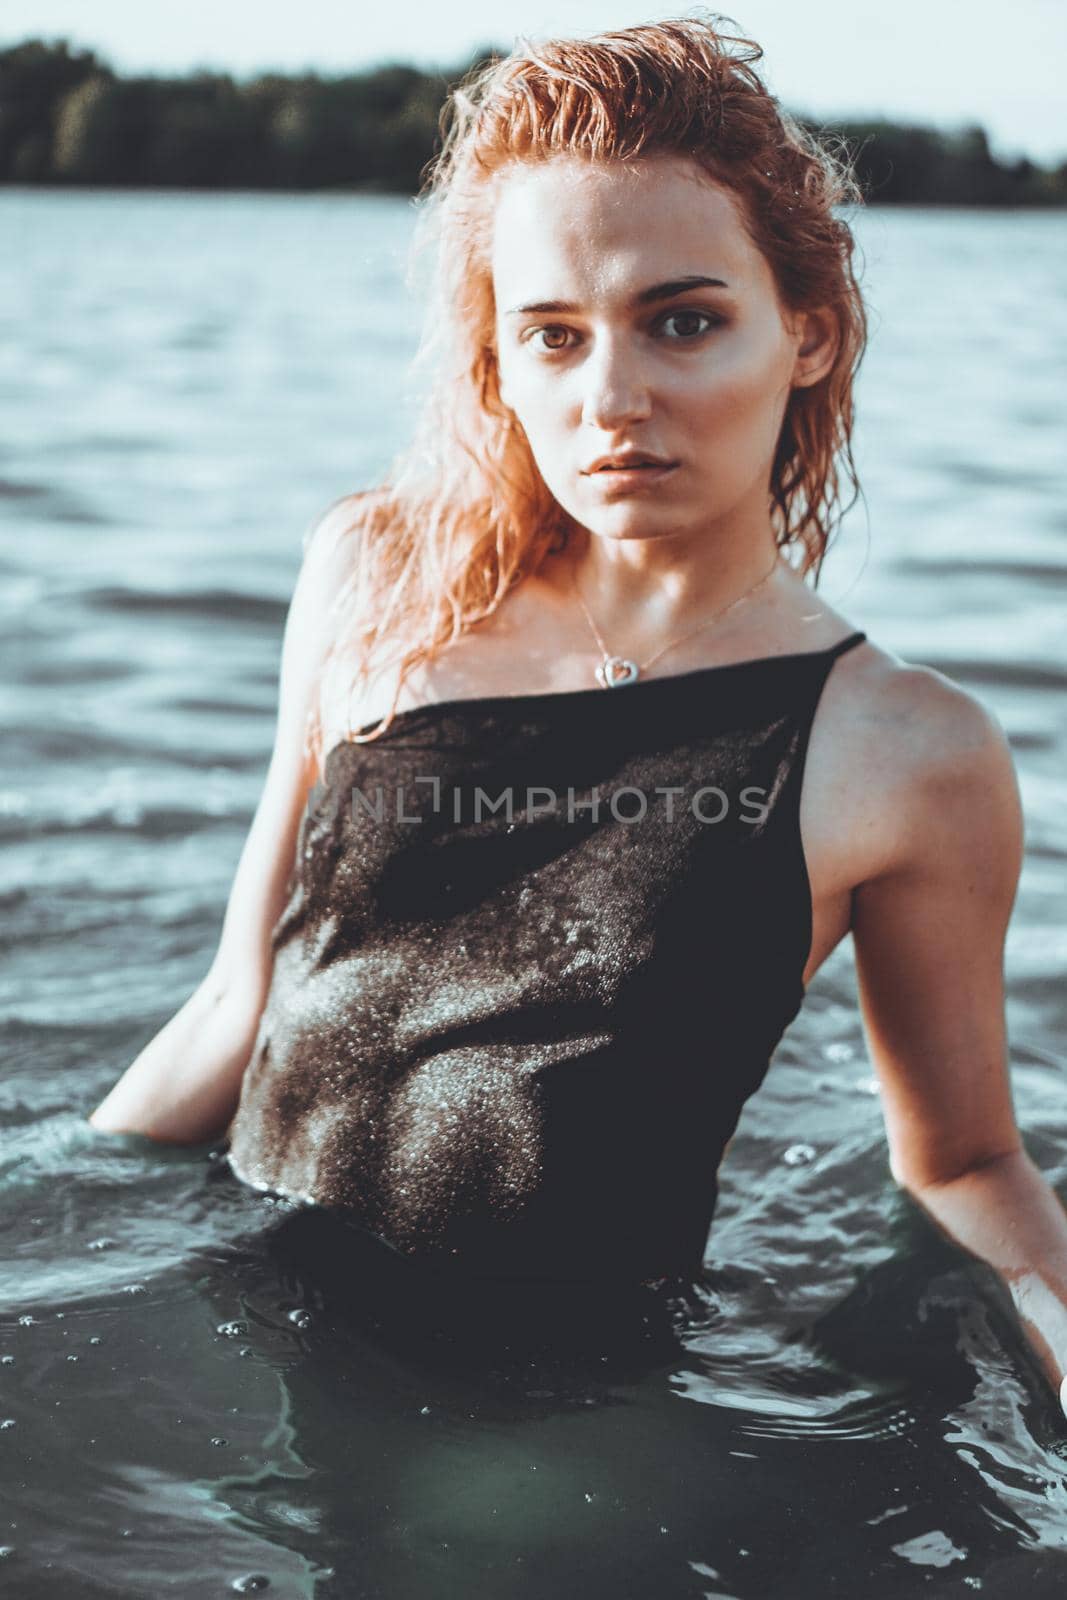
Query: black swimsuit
{"x": 514, "y": 1034}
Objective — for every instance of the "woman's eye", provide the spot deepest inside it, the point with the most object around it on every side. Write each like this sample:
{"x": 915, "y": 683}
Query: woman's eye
{"x": 551, "y": 334}
{"x": 687, "y": 319}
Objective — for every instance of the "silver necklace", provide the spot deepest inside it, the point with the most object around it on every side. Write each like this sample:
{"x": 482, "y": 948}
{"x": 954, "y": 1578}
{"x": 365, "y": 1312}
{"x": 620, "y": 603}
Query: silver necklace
{"x": 615, "y": 671}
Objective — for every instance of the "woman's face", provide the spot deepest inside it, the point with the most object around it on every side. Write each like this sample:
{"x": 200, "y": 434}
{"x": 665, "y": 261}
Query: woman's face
{"x": 607, "y": 343}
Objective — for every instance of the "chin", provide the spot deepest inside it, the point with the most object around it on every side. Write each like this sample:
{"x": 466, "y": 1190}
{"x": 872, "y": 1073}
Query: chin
{"x": 633, "y": 522}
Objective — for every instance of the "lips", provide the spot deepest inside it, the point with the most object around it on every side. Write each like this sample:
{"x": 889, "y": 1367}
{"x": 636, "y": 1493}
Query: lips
{"x": 628, "y": 463}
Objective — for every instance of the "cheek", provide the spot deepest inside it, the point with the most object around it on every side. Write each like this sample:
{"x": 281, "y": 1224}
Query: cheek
{"x": 516, "y": 391}
{"x": 744, "y": 380}
{"x": 545, "y": 415}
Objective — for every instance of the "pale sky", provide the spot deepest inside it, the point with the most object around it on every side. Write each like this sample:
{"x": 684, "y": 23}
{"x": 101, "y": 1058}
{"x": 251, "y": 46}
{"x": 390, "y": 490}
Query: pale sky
{"x": 944, "y": 62}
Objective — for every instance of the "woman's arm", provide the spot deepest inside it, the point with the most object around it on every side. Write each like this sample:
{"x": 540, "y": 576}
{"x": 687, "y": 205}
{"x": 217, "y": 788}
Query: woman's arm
{"x": 929, "y": 933}
{"x": 185, "y": 1085}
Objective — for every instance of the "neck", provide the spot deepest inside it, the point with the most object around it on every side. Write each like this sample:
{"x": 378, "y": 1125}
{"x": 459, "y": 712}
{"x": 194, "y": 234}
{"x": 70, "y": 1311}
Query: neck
{"x": 640, "y": 592}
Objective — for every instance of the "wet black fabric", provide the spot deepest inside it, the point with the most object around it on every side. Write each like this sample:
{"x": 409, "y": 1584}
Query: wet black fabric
{"x": 537, "y": 953}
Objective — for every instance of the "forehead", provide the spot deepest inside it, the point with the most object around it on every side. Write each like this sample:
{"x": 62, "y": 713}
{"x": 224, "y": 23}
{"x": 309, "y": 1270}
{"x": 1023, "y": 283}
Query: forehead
{"x": 570, "y": 225}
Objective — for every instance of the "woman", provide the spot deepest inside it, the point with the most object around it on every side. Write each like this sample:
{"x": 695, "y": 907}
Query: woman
{"x": 499, "y": 1011}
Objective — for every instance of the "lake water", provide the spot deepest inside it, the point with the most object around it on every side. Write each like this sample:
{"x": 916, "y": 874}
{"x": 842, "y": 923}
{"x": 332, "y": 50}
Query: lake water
{"x": 847, "y": 1408}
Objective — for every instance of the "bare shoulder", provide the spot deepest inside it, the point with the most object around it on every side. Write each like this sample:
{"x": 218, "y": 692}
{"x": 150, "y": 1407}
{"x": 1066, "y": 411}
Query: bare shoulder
{"x": 922, "y": 762}
{"x": 331, "y": 541}
{"x": 330, "y": 558}
{"x": 931, "y": 722}
{"x": 343, "y": 581}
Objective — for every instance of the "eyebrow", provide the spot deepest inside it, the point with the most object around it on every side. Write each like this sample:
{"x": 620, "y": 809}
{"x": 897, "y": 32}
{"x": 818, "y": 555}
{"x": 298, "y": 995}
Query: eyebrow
{"x": 658, "y": 291}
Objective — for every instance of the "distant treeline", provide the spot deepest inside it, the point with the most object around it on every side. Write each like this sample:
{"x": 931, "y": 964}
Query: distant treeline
{"x": 66, "y": 118}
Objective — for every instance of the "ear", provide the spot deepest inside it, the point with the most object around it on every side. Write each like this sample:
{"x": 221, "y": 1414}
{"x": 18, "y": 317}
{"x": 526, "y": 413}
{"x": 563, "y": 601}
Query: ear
{"x": 817, "y": 347}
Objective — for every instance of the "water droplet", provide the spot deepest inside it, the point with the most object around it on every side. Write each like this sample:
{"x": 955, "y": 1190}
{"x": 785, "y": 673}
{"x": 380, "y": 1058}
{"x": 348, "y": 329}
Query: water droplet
{"x": 300, "y": 1318}
{"x": 74, "y": 1358}
{"x": 133, "y": 1288}
{"x": 96, "y": 1339}
{"x": 7, "y": 1361}
{"x": 8, "y": 1422}
{"x": 232, "y": 1330}
{"x": 798, "y": 1155}
{"x": 219, "y": 1443}
{"x": 425, "y": 1411}
{"x": 839, "y": 1051}
{"x": 6, "y": 1550}
{"x": 27, "y": 1321}
{"x": 246, "y": 1350}
{"x": 250, "y": 1583}
{"x": 101, "y": 1244}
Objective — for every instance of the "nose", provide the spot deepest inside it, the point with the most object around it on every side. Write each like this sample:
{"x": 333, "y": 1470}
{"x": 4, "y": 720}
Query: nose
{"x": 616, "y": 391}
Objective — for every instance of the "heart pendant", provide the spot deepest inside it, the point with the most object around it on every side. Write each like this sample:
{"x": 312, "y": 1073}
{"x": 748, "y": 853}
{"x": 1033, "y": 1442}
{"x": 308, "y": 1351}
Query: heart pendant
{"x": 615, "y": 671}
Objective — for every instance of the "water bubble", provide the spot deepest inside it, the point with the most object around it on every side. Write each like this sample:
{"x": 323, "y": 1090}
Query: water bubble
{"x": 103, "y": 1243}
{"x": 7, "y": 1422}
{"x": 300, "y": 1318}
{"x": 133, "y": 1288}
{"x": 246, "y": 1350}
{"x": 250, "y": 1583}
{"x": 232, "y": 1330}
{"x": 95, "y": 1339}
{"x": 6, "y": 1550}
{"x": 7, "y": 1361}
{"x": 219, "y": 1443}
{"x": 798, "y": 1155}
{"x": 839, "y": 1051}
{"x": 74, "y": 1358}
{"x": 424, "y": 1412}
{"x": 27, "y": 1321}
